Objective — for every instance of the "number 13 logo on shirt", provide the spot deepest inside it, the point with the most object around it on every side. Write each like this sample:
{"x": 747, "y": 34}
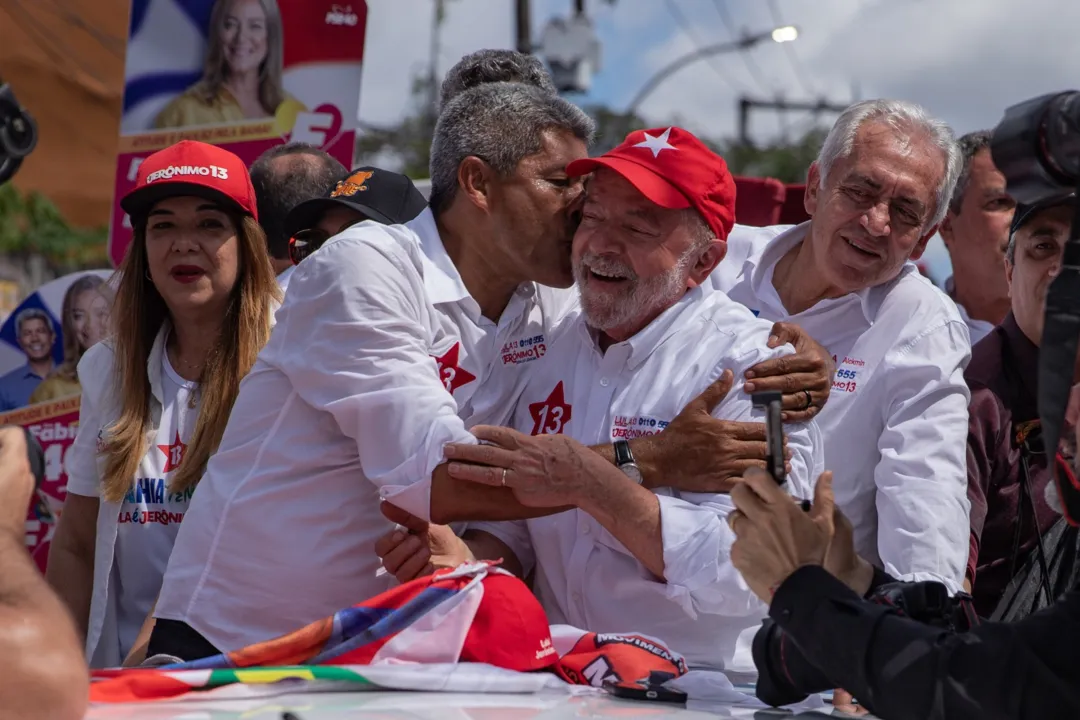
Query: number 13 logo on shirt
{"x": 451, "y": 373}
{"x": 550, "y": 416}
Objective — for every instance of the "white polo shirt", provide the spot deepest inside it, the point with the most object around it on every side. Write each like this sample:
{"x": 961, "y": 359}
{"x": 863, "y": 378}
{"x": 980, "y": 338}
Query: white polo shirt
{"x": 376, "y": 362}
{"x": 895, "y": 425}
{"x": 584, "y": 576}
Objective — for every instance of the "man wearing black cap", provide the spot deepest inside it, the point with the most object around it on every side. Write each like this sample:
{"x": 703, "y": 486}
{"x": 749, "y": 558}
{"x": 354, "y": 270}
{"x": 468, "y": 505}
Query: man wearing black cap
{"x": 1007, "y": 469}
{"x": 366, "y": 193}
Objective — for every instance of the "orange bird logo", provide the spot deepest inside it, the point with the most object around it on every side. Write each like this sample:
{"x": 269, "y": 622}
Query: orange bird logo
{"x": 352, "y": 184}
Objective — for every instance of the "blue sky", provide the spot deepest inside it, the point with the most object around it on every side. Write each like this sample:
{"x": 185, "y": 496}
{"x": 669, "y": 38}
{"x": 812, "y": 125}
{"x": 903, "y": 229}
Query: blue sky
{"x": 965, "y": 60}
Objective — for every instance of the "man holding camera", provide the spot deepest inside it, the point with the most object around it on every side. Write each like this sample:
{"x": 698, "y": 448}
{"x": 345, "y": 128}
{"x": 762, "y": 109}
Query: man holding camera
{"x": 1008, "y": 467}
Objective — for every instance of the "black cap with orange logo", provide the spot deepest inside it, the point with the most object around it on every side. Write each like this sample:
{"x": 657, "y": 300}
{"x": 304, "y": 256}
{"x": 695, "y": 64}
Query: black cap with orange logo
{"x": 386, "y": 197}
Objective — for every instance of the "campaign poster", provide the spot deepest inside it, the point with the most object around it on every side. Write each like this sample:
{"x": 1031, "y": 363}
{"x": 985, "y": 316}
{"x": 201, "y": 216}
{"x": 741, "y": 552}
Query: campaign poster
{"x": 54, "y": 424}
{"x": 242, "y": 74}
{"x": 41, "y": 343}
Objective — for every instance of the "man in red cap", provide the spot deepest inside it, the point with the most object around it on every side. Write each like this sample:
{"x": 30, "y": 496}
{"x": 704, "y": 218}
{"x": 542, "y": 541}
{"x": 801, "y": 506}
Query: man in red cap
{"x": 646, "y": 340}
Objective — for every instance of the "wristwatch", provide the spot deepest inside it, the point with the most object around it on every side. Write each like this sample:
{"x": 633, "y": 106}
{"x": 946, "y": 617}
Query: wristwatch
{"x": 624, "y": 460}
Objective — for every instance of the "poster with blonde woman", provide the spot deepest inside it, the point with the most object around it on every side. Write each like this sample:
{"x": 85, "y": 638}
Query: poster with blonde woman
{"x": 84, "y": 323}
{"x": 241, "y": 74}
{"x": 40, "y": 345}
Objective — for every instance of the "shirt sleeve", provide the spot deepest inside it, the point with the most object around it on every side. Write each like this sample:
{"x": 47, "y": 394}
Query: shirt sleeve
{"x": 81, "y": 459}
{"x": 697, "y": 541}
{"x": 353, "y": 337}
{"x": 984, "y": 442}
{"x": 921, "y": 479}
{"x": 515, "y": 534}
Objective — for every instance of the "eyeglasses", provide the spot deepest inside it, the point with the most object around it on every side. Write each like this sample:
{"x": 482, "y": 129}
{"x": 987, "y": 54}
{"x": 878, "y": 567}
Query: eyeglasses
{"x": 305, "y": 242}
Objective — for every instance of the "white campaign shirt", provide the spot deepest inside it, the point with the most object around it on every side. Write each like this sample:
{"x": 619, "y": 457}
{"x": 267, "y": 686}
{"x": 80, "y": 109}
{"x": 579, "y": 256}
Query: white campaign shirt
{"x": 135, "y": 536}
{"x": 150, "y": 514}
{"x": 284, "y": 277}
{"x": 584, "y": 576}
{"x": 376, "y": 362}
{"x": 895, "y": 425}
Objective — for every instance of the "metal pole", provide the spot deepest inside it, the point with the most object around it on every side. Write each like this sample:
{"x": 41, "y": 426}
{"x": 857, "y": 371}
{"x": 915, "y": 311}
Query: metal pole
{"x": 707, "y": 51}
{"x": 524, "y": 32}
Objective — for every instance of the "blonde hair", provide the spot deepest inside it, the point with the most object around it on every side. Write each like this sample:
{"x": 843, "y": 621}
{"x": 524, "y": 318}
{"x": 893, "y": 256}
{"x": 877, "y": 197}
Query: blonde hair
{"x": 216, "y": 70}
{"x": 245, "y": 328}
{"x": 73, "y": 349}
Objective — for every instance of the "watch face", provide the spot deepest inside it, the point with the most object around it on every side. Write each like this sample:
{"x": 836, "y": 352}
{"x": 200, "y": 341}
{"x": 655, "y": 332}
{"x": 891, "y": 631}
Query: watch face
{"x": 631, "y": 471}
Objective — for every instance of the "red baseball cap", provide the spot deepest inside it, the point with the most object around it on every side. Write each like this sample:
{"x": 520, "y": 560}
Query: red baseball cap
{"x": 673, "y": 169}
{"x": 192, "y": 168}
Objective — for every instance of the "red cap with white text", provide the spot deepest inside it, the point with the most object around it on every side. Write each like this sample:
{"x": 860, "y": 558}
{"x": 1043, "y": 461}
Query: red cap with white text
{"x": 192, "y": 168}
{"x": 675, "y": 170}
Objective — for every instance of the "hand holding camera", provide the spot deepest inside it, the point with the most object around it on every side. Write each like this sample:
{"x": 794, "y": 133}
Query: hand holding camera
{"x": 21, "y": 467}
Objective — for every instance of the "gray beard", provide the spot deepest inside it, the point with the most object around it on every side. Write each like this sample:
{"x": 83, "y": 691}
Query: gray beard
{"x": 604, "y": 311}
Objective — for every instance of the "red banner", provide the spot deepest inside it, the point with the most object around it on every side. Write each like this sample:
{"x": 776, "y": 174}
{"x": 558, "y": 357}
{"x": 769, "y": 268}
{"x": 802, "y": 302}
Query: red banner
{"x": 54, "y": 425}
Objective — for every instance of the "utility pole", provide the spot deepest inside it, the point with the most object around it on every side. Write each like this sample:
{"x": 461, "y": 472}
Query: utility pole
{"x": 437, "y": 19}
{"x": 746, "y": 104}
{"x": 524, "y": 27}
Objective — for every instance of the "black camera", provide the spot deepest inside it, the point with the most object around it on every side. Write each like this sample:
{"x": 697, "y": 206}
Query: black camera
{"x": 18, "y": 133}
{"x": 785, "y": 676}
{"x": 1037, "y": 147}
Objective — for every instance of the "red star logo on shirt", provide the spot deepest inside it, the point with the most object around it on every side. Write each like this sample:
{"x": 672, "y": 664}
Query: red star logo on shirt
{"x": 173, "y": 453}
{"x": 453, "y": 375}
{"x": 551, "y": 415}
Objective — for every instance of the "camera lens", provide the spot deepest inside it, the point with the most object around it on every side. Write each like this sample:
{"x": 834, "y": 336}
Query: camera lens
{"x": 1062, "y": 135}
{"x": 18, "y": 134}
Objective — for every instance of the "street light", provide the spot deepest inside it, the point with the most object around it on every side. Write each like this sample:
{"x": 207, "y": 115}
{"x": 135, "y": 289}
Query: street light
{"x": 787, "y": 33}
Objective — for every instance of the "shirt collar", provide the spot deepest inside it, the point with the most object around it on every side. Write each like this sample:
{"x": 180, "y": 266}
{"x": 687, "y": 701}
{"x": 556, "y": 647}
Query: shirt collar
{"x": 761, "y": 277}
{"x": 1025, "y": 354}
{"x": 656, "y": 333}
{"x": 441, "y": 278}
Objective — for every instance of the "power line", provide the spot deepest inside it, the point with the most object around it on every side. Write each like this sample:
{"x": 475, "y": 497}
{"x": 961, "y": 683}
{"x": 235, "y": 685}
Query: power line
{"x": 685, "y": 26}
{"x": 792, "y": 56}
{"x": 751, "y": 65}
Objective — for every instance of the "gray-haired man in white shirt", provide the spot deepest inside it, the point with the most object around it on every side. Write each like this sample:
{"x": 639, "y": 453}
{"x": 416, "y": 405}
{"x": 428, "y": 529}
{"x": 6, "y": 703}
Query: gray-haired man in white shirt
{"x": 895, "y": 425}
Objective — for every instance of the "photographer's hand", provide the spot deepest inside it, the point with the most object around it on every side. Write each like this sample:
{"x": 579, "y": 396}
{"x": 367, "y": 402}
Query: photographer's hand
{"x": 775, "y": 536}
{"x": 16, "y": 481}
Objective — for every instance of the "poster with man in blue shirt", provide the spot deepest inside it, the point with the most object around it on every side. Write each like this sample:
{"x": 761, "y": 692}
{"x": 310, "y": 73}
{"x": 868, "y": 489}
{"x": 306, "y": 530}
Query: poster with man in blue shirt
{"x": 36, "y": 337}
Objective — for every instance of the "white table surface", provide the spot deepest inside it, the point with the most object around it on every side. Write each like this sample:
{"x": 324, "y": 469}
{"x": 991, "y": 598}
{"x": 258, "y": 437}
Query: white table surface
{"x": 433, "y": 706}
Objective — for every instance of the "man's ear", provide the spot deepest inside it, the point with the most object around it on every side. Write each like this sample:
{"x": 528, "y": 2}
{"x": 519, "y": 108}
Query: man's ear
{"x": 920, "y": 247}
{"x": 474, "y": 181}
{"x": 813, "y": 189}
{"x": 708, "y": 260}
{"x": 946, "y": 229}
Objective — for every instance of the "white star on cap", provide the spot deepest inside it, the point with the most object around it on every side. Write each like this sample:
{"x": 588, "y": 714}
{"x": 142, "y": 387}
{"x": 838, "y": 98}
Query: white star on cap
{"x": 657, "y": 144}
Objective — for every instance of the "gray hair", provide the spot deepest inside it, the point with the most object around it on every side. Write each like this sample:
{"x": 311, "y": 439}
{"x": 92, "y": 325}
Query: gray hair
{"x": 703, "y": 234}
{"x": 903, "y": 117}
{"x": 500, "y": 123}
{"x": 970, "y": 145}
{"x": 488, "y": 66}
{"x": 33, "y": 314}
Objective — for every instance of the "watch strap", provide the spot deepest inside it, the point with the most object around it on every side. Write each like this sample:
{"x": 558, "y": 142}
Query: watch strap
{"x": 623, "y": 455}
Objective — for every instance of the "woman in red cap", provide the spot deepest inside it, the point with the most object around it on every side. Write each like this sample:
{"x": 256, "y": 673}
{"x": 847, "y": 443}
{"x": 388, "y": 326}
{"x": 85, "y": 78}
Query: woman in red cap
{"x": 194, "y": 305}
